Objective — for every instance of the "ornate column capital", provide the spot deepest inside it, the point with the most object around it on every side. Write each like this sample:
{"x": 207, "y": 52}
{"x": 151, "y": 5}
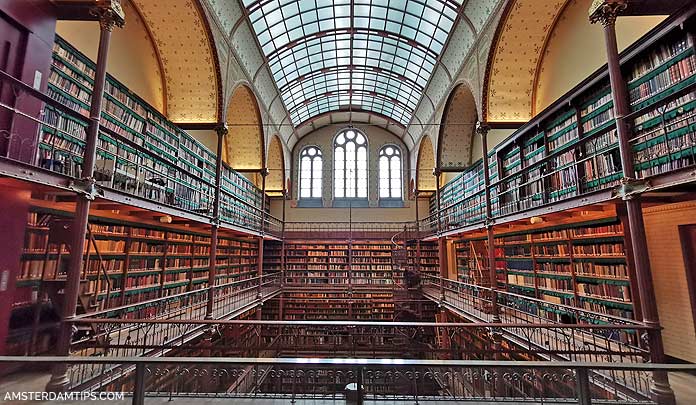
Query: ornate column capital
{"x": 437, "y": 171}
{"x": 482, "y": 128}
{"x": 264, "y": 172}
{"x": 222, "y": 129}
{"x": 606, "y": 11}
{"x": 110, "y": 14}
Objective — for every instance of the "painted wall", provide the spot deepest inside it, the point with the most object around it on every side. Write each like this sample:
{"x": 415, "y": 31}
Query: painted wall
{"x": 575, "y": 49}
{"x": 133, "y": 58}
{"x": 669, "y": 276}
{"x": 495, "y": 137}
{"x": 294, "y": 214}
{"x": 207, "y": 137}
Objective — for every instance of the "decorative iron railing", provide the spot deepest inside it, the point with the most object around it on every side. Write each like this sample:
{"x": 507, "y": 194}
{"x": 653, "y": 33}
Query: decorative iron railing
{"x": 397, "y": 380}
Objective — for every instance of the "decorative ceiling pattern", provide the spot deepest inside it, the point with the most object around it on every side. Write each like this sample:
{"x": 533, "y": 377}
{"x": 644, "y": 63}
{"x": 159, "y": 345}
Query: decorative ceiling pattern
{"x": 457, "y": 130}
{"x": 516, "y": 55}
{"x": 362, "y": 55}
{"x": 425, "y": 180}
{"x": 190, "y": 70}
{"x": 244, "y": 142}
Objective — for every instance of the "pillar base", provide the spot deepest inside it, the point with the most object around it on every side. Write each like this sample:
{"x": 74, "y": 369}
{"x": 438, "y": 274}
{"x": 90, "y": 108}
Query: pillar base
{"x": 662, "y": 393}
{"x": 59, "y": 381}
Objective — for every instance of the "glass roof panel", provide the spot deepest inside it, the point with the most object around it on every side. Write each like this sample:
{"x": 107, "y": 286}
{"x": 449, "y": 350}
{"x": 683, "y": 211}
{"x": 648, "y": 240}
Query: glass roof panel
{"x": 367, "y": 55}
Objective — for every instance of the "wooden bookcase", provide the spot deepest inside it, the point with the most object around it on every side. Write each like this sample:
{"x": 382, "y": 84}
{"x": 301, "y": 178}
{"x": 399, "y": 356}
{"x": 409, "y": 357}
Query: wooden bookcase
{"x": 578, "y": 264}
{"x": 139, "y": 151}
{"x": 142, "y": 262}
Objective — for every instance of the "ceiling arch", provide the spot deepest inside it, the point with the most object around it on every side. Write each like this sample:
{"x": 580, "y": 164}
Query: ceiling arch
{"x": 191, "y": 69}
{"x": 514, "y": 58}
{"x": 244, "y": 143}
{"x": 425, "y": 181}
{"x": 276, "y": 165}
{"x": 457, "y": 129}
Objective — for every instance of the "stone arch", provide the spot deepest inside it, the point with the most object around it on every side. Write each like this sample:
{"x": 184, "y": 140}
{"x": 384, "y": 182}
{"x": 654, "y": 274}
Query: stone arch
{"x": 244, "y": 144}
{"x": 457, "y": 129}
{"x": 425, "y": 181}
{"x": 275, "y": 162}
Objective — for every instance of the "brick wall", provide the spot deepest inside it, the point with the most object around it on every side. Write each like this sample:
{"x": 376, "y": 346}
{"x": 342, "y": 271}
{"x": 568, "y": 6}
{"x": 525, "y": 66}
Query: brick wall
{"x": 669, "y": 275}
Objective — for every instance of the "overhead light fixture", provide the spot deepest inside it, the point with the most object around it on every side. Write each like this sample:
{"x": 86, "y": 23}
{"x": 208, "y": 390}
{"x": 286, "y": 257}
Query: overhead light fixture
{"x": 536, "y": 220}
{"x": 166, "y": 219}
{"x": 116, "y": 212}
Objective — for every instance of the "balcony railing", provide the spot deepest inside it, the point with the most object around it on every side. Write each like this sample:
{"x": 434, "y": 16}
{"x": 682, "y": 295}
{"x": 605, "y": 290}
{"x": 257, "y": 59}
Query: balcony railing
{"x": 359, "y": 380}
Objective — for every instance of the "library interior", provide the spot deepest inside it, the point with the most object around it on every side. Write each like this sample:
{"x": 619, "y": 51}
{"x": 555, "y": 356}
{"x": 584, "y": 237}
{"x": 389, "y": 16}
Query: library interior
{"x": 348, "y": 201}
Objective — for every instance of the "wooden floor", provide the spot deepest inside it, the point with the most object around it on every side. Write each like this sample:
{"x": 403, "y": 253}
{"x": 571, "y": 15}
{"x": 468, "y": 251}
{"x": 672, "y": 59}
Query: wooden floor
{"x": 684, "y": 386}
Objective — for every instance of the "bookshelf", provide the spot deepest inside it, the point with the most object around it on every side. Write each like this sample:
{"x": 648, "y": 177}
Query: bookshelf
{"x": 139, "y": 151}
{"x": 142, "y": 262}
{"x": 429, "y": 258}
{"x": 578, "y": 264}
{"x": 572, "y": 149}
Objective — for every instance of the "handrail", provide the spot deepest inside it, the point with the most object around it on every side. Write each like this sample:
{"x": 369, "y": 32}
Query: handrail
{"x": 570, "y": 309}
{"x": 357, "y": 324}
{"x": 347, "y": 362}
{"x": 151, "y": 302}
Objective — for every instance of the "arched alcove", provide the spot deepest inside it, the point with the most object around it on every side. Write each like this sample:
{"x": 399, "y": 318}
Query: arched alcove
{"x": 457, "y": 129}
{"x": 541, "y": 50}
{"x": 425, "y": 181}
{"x": 244, "y": 144}
{"x": 276, "y": 166}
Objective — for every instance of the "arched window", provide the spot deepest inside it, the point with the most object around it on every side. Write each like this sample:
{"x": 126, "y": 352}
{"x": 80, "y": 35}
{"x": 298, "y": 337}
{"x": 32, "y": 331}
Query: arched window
{"x": 390, "y": 183}
{"x": 350, "y": 165}
{"x": 310, "y": 172}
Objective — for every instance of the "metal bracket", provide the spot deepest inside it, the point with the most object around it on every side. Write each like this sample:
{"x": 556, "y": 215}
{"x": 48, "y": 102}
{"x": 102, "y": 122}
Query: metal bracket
{"x": 488, "y": 222}
{"x": 87, "y": 187}
{"x": 631, "y": 188}
{"x": 216, "y": 222}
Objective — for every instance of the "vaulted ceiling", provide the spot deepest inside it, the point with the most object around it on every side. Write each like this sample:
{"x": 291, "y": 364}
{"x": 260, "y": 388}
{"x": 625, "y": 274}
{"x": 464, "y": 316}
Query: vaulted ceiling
{"x": 314, "y": 63}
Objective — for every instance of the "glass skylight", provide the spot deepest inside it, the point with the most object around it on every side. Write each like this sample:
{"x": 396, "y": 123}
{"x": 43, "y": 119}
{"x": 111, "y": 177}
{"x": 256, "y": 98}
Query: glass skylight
{"x": 360, "y": 55}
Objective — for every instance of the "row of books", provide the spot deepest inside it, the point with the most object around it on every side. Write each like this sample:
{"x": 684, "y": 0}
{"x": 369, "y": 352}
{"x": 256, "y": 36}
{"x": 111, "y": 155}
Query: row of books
{"x": 656, "y": 57}
{"x": 676, "y": 73}
{"x": 606, "y": 249}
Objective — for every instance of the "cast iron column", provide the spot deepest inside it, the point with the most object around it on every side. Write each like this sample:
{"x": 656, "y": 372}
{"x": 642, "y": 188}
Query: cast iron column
{"x": 606, "y": 12}
{"x": 418, "y": 236}
{"x": 109, "y": 14}
{"x": 263, "y": 173}
{"x": 282, "y": 260}
{"x": 441, "y": 242}
{"x": 482, "y": 129}
{"x": 222, "y": 131}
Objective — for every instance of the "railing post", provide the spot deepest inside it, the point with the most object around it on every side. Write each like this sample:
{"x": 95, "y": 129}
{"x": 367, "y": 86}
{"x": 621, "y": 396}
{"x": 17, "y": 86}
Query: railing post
{"x": 110, "y": 14}
{"x": 222, "y": 131}
{"x": 606, "y": 12}
{"x": 139, "y": 387}
{"x": 582, "y": 383}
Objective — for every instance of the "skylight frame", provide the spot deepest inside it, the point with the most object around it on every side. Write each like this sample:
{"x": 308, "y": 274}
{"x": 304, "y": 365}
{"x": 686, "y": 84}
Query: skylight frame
{"x": 352, "y": 55}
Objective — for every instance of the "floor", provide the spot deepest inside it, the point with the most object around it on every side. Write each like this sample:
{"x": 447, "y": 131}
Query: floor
{"x": 684, "y": 386}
